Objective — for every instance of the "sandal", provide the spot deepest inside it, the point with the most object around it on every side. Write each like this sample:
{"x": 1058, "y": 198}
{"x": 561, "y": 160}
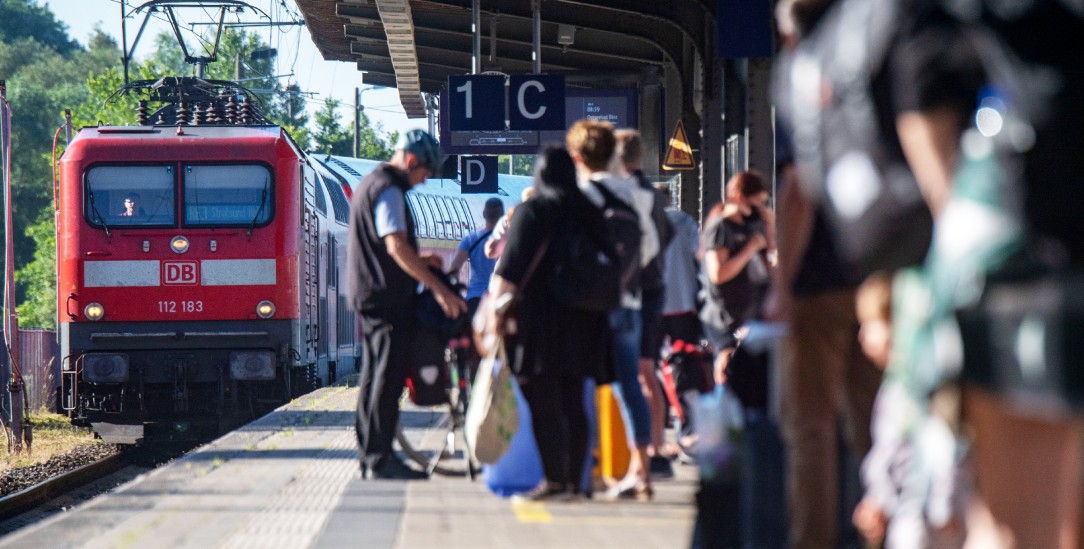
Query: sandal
{"x": 636, "y": 490}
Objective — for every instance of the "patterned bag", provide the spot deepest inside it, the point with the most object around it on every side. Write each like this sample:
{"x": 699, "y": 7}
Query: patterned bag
{"x": 492, "y": 414}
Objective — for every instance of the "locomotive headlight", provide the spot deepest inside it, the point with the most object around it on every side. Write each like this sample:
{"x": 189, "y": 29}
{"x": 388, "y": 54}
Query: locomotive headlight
{"x": 94, "y": 311}
{"x": 179, "y": 244}
{"x": 265, "y": 309}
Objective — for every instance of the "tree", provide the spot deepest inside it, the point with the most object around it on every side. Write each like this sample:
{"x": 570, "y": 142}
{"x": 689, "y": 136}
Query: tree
{"x": 330, "y": 137}
{"x": 38, "y": 308}
{"x": 41, "y": 87}
{"x": 20, "y": 19}
{"x": 373, "y": 146}
{"x": 523, "y": 164}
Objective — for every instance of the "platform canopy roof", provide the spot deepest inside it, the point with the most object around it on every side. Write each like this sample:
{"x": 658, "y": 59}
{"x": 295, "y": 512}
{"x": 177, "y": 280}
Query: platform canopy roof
{"x": 414, "y": 45}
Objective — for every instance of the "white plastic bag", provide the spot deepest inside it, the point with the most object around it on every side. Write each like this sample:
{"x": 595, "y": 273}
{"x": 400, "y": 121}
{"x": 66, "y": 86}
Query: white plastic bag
{"x": 492, "y": 414}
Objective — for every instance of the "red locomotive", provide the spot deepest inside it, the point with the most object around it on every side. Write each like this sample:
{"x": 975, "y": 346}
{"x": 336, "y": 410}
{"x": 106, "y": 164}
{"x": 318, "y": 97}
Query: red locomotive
{"x": 199, "y": 265}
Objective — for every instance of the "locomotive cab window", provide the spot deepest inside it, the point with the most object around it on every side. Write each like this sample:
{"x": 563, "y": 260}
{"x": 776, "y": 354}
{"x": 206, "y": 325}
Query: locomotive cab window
{"x": 130, "y": 196}
{"x": 227, "y": 195}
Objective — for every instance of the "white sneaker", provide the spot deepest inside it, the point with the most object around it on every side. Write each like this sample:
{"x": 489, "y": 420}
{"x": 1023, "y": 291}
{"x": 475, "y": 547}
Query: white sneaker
{"x": 544, "y": 491}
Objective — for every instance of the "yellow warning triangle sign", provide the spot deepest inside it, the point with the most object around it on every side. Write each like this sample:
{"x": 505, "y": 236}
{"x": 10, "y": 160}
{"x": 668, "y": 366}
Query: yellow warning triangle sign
{"x": 679, "y": 156}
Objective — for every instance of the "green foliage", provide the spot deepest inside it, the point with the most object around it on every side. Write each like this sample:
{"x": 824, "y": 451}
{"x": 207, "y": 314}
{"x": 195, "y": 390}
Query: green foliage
{"x": 25, "y": 19}
{"x": 523, "y": 164}
{"x": 38, "y": 308}
{"x": 373, "y": 146}
{"x": 330, "y": 136}
{"x": 288, "y": 110}
{"x": 42, "y": 84}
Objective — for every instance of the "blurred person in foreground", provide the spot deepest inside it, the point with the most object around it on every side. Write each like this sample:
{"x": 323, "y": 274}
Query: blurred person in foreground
{"x": 555, "y": 347}
{"x": 875, "y": 144}
{"x": 1023, "y": 397}
{"x": 383, "y": 272}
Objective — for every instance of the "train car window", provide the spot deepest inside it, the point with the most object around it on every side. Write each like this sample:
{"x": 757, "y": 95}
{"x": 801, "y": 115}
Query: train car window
{"x": 451, "y": 218}
{"x": 472, "y": 224}
{"x": 338, "y": 200}
{"x": 421, "y": 223}
{"x": 441, "y": 230}
{"x": 228, "y": 195}
{"x": 424, "y": 213}
{"x": 463, "y": 215}
{"x": 130, "y": 196}
{"x": 321, "y": 202}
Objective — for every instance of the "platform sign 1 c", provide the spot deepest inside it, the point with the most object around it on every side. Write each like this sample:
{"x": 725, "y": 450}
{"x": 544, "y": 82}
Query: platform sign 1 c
{"x": 476, "y": 102}
{"x": 478, "y": 174}
{"x": 536, "y": 102}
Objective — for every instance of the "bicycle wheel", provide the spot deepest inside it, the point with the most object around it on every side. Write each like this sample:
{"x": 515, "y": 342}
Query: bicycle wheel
{"x": 433, "y": 437}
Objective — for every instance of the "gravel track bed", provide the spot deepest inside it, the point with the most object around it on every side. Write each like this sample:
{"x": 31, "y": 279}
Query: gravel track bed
{"x": 20, "y": 478}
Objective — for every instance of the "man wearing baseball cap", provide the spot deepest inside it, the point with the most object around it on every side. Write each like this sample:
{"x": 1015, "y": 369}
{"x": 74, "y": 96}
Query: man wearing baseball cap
{"x": 384, "y": 269}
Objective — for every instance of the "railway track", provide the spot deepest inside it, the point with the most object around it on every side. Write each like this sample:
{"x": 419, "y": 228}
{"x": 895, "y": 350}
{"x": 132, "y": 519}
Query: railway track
{"x": 29, "y": 498}
{"x": 135, "y": 461}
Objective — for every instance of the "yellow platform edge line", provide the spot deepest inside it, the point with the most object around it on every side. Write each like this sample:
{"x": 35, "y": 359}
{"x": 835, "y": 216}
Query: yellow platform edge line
{"x": 531, "y": 512}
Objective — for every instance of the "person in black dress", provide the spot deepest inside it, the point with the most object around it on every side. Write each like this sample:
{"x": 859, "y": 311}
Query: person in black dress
{"x": 555, "y": 347}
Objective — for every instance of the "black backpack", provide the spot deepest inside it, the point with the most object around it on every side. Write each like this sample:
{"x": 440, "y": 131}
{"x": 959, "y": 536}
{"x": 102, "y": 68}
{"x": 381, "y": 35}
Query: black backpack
{"x": 590, "y": 274}
{"x": 430, "y": 316}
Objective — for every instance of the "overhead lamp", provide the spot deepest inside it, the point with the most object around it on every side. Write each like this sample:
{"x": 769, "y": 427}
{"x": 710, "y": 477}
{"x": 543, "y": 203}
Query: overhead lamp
{"x": 566, "y": 35}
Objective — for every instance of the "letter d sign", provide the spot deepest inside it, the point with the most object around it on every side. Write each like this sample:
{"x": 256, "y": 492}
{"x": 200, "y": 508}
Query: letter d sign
{"x": 478, "y": 175}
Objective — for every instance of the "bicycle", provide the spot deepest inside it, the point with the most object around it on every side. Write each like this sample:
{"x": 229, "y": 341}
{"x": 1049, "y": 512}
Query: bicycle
{"x": 433, "y": 436}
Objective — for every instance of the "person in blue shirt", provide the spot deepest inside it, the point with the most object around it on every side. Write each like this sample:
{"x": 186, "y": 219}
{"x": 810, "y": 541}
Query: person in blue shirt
{"x": 472, "y": 249}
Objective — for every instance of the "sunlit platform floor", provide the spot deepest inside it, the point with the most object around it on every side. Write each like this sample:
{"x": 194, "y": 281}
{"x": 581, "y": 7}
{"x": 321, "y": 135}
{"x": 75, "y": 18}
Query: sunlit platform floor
{"x": 290, "y": 479}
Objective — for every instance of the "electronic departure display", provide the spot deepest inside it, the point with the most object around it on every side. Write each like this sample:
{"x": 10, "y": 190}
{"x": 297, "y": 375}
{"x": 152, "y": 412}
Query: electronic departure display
{"x": 616, "y": 106}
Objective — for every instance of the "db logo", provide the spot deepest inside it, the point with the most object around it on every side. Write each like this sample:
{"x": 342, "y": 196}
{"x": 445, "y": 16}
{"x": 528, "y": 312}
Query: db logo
{"x": 181, "y": 272}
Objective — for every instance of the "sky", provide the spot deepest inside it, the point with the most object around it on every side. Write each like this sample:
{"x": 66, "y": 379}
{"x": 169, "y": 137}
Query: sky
{"x": 297, "y": 56}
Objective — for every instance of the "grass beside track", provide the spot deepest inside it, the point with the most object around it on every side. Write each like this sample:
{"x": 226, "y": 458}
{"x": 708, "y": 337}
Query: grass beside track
{"x": 53, "y": 436}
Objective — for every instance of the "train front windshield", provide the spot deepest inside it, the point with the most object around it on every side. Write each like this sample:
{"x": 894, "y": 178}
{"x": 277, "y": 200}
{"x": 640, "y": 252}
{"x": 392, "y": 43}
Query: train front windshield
{"x": 127, "y": 196}
{"x": 218, "y": 195}
{"x": 222, "y": 195}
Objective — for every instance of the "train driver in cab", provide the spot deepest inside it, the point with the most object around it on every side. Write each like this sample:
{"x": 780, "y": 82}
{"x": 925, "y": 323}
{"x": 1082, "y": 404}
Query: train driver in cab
{"x": 131, "y": 206}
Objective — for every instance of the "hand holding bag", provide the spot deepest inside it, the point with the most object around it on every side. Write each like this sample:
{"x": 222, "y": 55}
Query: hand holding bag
{"x": 492, "y": 415}
{"x": 496, "y": 315}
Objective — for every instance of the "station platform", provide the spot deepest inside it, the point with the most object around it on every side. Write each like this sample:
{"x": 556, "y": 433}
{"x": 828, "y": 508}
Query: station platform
{"x": 290, "y": 479}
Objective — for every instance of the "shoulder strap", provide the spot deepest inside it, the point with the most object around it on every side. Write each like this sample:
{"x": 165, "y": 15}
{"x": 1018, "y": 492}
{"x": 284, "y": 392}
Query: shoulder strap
{"x": 609, "y": 197}
{"x": 480, "y": 240}
{"x": 541, "y": 251}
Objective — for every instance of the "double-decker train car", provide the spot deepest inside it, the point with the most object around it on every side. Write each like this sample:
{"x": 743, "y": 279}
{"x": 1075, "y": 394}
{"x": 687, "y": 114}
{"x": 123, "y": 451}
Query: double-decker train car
{"x": 442, "y": 214}
{"x": 200, "y": 259}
